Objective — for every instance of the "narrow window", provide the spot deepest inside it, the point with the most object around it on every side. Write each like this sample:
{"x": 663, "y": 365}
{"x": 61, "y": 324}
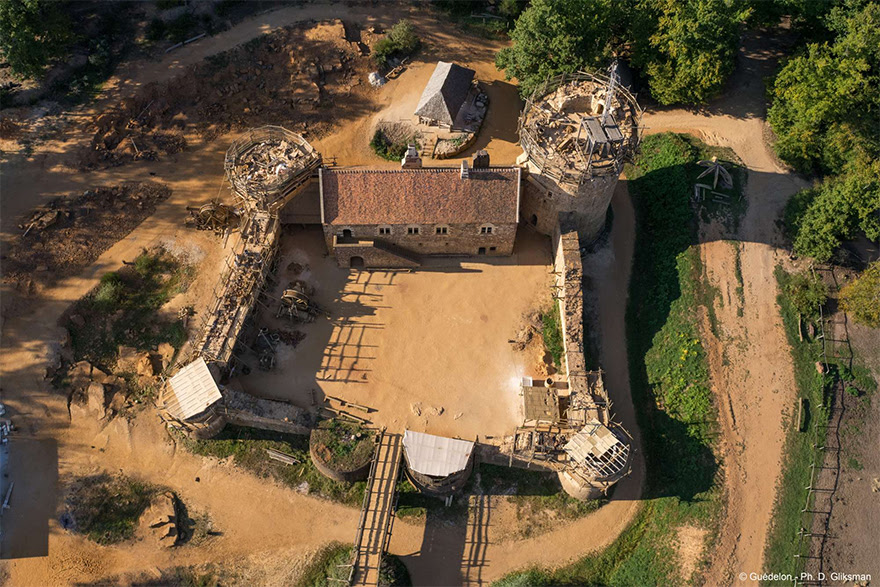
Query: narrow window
{"x": 486, "y": 230}
{"x": 491, "y": 249}
{"x": 442, "y": 230}
{"x": 412, "y": 230}
{"x": 384, "y": 230}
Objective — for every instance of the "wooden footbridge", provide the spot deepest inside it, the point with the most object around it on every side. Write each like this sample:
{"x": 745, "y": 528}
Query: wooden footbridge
{"x": 377, "y": 516}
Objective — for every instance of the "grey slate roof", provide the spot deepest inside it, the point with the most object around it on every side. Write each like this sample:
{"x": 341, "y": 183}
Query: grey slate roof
{"x": 445, "y": 92}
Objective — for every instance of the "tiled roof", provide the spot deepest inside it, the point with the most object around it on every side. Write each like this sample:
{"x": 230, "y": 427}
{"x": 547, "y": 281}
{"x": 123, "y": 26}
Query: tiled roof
{"x": 445, "y": 92}
{"x": 420, "y": 196}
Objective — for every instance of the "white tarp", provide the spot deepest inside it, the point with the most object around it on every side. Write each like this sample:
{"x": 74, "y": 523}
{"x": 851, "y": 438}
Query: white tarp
{"x": 191, "y": 391}
{"x": 436, "y": 456}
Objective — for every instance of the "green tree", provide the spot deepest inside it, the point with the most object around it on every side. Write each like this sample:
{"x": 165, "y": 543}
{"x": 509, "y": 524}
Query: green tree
{"x": 834, "y": 211}
{"x": 861, "y": 297}
{"x": 686, "y": 49}
{"x": 826, "y": 101}
{"x": 33, "y": 33}
{"x": 400, "y": 40}
{"x": 807, "y": 293}
{"x": 556, "y": 36}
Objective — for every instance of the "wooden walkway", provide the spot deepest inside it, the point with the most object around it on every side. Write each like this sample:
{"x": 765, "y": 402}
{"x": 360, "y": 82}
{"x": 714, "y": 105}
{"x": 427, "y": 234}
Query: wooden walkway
{"x": 377, "y": 516}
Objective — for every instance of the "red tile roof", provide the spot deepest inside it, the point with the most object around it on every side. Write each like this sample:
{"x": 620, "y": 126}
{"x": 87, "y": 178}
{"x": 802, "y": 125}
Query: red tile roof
{"x": 420, "y": 196}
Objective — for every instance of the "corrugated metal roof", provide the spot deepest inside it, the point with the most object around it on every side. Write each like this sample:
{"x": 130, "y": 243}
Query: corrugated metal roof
{"x": 437, "y": 456}
{"x": 193, "y": 390}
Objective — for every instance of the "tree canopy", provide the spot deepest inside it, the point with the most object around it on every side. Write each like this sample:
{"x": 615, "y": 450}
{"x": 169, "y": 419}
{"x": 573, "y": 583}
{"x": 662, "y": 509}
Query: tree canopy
{"x": 555, "y": 36}
{"x": 686, "y": 49}
{"x": 826, "y": 113}
{"x": 826, "y": 101}
{"x": 32, "y": 33}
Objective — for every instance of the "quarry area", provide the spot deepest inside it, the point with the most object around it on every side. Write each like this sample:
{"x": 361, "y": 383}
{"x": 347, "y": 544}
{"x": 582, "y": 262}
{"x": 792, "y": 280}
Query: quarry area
{"x": 268, "y": 308}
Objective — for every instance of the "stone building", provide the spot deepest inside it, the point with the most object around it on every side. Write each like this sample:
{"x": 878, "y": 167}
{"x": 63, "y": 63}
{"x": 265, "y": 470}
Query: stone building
{"x": 444, "y": 95}
{"x": 392, "y": 218}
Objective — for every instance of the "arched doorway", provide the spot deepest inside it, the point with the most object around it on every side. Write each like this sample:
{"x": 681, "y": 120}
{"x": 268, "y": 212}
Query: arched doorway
{"x": 356, "y": 262}
{"x": 481, "y": 251}
{"x": 534, "y": 220}
{"x": 346, "y": 233}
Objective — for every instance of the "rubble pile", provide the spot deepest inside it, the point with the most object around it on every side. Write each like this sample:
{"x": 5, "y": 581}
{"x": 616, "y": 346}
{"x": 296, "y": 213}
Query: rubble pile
{"x": 68, "y": 234}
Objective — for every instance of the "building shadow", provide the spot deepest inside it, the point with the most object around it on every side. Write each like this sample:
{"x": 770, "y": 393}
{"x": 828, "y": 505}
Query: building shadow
{"x": 24, "y": 526}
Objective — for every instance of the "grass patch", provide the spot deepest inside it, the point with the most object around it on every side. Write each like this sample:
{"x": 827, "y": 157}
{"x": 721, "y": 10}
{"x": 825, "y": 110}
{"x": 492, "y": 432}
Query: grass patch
{"x": 343, "y": 446}
{"x": 551, "y": 332}
{"x": 247, "y": 447}
{"x": 123, "y": 310}
{"x": 538, "y": 497}
{"x": 668, "y": 375}
{"x": 327, "y": 567}
{"x": 107, "y": 508}
{"x": 392, "y": 146}
{"x": 800, "y": 449}
{"x": 738, "y": 274}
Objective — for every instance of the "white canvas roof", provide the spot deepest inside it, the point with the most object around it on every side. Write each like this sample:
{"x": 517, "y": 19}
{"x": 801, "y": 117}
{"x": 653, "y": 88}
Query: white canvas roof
{"x": 437, "y": 456}
{"x": 191, "y": 391}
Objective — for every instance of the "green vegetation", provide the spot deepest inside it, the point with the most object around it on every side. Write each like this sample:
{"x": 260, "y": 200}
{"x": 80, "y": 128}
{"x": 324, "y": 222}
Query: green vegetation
{"x": 391, "y": 148}
{"x": 825, "y": 112}
{"x": 537, "y": 495}
{"x": 107, "y": 508}
{"x": 400, "y": 41}
{"x": 686, "y": 49}
{"x": 800, "y": 449}
{"x": 247, "y": 447}
{"x": 393, "y": 573}
{"x": 738, "y": 274}
{"x": 669, "y": 379}
{"x": 124, "y": 309}
{"x": 328, "y": 568}
{"x": 34, "y": 33}
{"x": 343, "y": 446}
{"x": 861, "y": 297}
{"x": 551, "y": 332}
{"x": 806, "y": 292}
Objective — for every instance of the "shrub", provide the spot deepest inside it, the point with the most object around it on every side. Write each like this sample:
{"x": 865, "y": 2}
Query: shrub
{"x": 401, "y": 40}
{"x": 861, "y": 297}
{"x": 155, "y": 31}
{"x": 387, "y": 148}
{"x": 807, "y": 293}
{"x": 107, "y": 509}
{"x": 552, "y": 333}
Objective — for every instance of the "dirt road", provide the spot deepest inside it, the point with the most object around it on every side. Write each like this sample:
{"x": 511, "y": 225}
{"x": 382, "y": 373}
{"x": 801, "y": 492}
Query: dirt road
{"x": 749, "y": 361}
{"x": 49, "y": 446}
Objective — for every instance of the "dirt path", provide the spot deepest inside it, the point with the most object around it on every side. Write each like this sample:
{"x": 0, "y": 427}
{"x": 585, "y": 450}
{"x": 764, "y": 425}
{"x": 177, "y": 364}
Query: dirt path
{"x": 749, "y": 361}
{"x": 48, "y": 444}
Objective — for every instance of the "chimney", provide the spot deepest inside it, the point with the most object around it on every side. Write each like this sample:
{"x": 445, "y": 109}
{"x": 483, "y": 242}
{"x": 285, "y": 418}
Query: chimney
{"x": 411, "y": 159}
{"x": 464, "y": 169}
{"x": 481, "y": 159}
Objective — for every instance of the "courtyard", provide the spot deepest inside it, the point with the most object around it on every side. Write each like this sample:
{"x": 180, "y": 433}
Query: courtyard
{"x": 426, "y": 350}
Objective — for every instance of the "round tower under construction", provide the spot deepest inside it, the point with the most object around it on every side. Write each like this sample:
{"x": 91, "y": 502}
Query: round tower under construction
{"x": 267, "y": 165}
{"x": 576, "y": 132}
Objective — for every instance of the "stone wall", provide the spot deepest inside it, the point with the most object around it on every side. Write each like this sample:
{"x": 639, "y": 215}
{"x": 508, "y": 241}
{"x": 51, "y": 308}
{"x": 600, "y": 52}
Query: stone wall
{"x": 569, "y": 281}
{"x": 373, "y": 257}
{"x": 543, "y": 200}
{"x": 461, "y": 239}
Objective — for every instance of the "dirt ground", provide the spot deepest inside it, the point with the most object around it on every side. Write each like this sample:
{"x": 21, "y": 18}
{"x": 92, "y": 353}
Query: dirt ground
{"x": 278, "y": 523}
{"x": 749, "y": 361}
{"x": 50, "y": 447}
{"x": 428, "y": 350}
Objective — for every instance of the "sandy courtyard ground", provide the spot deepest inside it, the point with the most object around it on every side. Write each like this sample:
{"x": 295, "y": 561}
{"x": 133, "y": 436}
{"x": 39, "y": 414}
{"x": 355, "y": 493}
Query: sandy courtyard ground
{"x": 428, "y": 350}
